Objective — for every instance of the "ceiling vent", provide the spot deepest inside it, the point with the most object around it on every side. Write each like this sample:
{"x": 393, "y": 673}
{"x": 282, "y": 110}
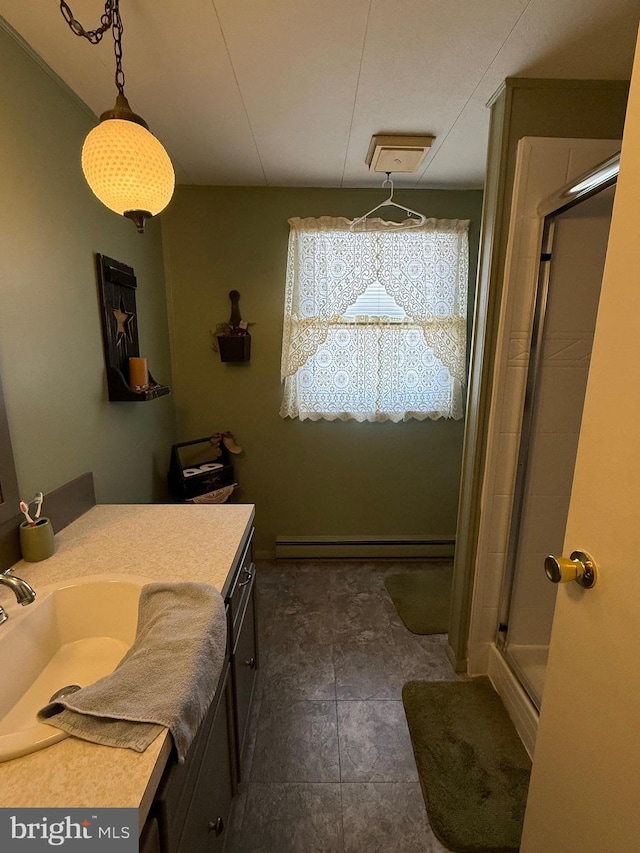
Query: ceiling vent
{"x": 397, "y": 153}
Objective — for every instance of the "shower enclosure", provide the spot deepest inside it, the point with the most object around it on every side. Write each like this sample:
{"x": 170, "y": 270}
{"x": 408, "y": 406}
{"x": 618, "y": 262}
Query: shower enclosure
{"x": 576, "y": 229}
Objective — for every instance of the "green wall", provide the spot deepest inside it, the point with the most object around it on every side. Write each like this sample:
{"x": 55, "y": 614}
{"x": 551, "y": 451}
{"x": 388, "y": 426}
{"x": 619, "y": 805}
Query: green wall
{"x": 51, "y": 357}
{"x": 311, "y": 478}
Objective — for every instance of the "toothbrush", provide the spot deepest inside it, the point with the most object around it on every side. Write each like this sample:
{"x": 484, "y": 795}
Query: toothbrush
{"x": 24, "y": 508}
{"x": 38, "y": 502}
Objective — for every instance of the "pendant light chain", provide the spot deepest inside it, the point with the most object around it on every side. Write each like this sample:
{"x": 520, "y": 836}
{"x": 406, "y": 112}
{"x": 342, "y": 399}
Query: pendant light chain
{"x": 110, "y": 19}
{"x": 126, "y": 167}
{"x": 116, "y": 29}
{"x": 94, "y": 36}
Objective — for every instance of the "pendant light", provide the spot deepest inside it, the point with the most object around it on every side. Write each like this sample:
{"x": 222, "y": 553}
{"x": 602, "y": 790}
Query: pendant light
{"x": 124, "y": 164}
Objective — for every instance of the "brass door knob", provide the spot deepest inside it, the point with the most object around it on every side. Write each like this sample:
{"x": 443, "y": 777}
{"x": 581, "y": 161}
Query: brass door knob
{"x": 579, "y": 567}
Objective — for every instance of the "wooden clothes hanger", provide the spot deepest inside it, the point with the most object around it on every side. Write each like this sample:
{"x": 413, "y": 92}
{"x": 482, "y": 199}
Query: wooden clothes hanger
{"x": 389, "y": 202}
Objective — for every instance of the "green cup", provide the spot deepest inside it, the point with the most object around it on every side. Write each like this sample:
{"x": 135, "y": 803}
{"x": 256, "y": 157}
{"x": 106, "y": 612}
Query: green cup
{"x": 36, "y": 542}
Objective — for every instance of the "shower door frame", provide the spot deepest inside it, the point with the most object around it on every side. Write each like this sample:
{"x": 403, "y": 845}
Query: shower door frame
{"x": 600, "y": 178}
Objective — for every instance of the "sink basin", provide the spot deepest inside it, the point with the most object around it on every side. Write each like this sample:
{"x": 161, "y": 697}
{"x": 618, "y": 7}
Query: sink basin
{"x": 74, "y": 633}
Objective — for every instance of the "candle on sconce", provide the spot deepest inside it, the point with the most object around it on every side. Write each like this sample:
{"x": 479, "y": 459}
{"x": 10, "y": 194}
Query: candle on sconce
{"x": 138, "y": 372}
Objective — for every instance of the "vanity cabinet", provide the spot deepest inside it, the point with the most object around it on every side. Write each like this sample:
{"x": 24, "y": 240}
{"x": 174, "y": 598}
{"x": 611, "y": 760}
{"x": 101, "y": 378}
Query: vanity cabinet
{"x": 193, "y": 800}
{"x": 243, "y": 642}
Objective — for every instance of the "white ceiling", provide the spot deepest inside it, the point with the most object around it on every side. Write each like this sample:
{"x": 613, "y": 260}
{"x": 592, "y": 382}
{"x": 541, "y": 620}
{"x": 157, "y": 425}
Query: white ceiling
{"x": 289, "y": 92}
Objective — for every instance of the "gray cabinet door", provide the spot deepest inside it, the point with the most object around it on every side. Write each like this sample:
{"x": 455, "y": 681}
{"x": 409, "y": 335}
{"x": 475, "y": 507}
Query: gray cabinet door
{"x": 150, "y": 837}
{"x": 208, "y": 813}
{"x": 245, "y": 668}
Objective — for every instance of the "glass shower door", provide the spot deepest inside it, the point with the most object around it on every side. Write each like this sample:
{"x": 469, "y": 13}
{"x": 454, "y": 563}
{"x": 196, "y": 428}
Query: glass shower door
{"x": 574, "y": 250}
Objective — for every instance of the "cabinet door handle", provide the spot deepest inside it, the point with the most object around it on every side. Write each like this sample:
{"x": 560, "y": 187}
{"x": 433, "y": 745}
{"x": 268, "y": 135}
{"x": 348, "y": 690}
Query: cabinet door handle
{"x": 251, "y": 663}
{"x": 216, "y": 826}
{"x": 249, "y": 575}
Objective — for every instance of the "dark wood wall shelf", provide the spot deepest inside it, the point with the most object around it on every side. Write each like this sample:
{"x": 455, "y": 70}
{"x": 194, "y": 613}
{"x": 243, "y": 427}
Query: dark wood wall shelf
{"x": 120, "y": 390}
{"x": 117, "y": 284}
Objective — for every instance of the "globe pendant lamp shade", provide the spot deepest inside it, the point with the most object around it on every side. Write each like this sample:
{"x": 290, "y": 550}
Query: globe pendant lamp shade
{"x": 128, "y": 169}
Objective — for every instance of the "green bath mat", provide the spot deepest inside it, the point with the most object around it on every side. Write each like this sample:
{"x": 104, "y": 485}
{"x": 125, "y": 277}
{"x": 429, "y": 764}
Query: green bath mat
{"x": 474, "y": 770}
{"x": 422, "y": 599}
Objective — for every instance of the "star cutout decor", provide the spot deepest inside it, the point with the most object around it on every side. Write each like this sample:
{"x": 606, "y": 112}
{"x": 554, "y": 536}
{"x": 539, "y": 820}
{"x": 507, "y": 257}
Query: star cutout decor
{"x": 124, "y": 320}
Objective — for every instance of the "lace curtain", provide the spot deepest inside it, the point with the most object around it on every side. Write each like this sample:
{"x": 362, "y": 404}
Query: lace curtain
{"x": 375, "y": 368}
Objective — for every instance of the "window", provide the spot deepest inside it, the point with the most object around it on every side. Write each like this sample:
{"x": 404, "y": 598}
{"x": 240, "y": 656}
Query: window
{"x": 375, "y": 320}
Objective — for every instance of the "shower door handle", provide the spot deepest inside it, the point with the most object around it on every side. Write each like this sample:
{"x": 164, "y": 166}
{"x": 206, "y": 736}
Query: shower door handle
{"x": 579, "y": 567}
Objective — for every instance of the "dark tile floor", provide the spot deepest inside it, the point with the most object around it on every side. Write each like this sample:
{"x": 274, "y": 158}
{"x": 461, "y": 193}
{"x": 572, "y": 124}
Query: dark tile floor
{"x": 329, "y": 766}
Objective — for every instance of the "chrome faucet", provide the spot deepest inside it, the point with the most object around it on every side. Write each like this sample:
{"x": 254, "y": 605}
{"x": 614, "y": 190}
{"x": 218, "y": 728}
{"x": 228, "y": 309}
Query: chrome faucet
{"x": 22, "y": 590}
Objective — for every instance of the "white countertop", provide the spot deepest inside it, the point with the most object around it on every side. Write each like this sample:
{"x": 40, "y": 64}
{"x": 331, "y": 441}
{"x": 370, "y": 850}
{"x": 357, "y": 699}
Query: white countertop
{"x": 161, "y": 542}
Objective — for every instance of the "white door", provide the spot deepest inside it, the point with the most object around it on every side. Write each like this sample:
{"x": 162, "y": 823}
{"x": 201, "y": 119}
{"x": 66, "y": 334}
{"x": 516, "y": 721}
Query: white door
{"x": 585, "y": 786}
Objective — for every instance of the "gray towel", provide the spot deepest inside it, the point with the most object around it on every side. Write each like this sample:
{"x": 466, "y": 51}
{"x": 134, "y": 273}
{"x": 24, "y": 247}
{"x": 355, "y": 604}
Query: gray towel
{"x": 166, "y": 679}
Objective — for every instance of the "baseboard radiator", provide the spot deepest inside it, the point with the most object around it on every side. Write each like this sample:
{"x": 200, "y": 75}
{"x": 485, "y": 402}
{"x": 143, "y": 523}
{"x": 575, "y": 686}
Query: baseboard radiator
{"x": 363, "y": 547}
